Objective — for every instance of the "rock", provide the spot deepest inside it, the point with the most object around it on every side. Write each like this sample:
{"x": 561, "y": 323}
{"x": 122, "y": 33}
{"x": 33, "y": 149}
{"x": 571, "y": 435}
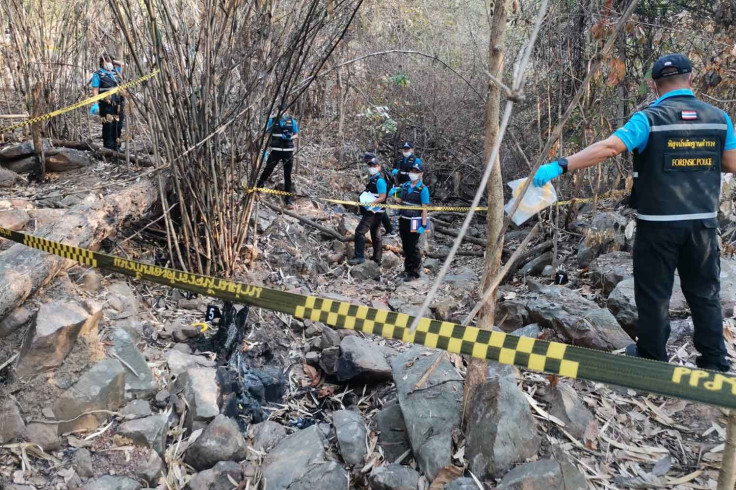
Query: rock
{"x": 108, "y": 482}
{"x": 327, "y": 476}
{"x": 606, "y": 234}
{"x": 293, "y": 458}
{"x": 100, "y": 388}
{"x": 45, "y": 435}
{"x": 312, "y": 358}
{"x": 82, "y": 462}
{"x": 504, "y": 431}
{"x": 184, "y": 349}
{"x": 152, "y": 470}
{"x": 565, "y": 404}
{"x": 136, "y": 409}
{"x": 51, "y": 337}
{"x": 64, "y": 159}
{"x": 11, "y": 423}
{"x": 465, "y": 279}
{"x": 161, "y": 400}
{"x": 442, "y": 309}
{"x": 391, "y": 261}
{"x": 535, "y": 266}
{"x": 220, "y": 441}
{"x": 610, "y": 269}
{"x": 266, "y": 435}
{"x": 681, "y": 329}
{"x": 184, "y": 332}
{"x": 18, "y": 318}
{"x": 441, "y": 395}
{"x": 513, "y": 312}
{"x": 532, "y": 330}
{"x": 392, "y": 431}
{"x": 539, "y": 475}
{"x": 14, "y": 219}
{"x": 462, "y": 484}
{"x": 572, "y": 478}
{"x": 330, "y": 338}
{"x": 359, "y": 360}
{"x": 394, "y": 477}
{"x": 140, "y": 383}
{"x": 122, "y": 299}
{"x": 434, "y": 265}
{"x": 8, "y": 178}
{"x": 728, "y": 286}
{"x": 148, "y": 431}
{"x": 23, "y": 166}
{"x": 201, "y": 392}
{"x": 216, "y": 478}
{"x": 179, "y": 362}
{"x": 548, "y": 271}
{"x": 351, "y": 435}
{"x": 580, "y": 321}
{"x": 92, "y": 281}
{"x": 348, "y": 224}
{"x": 368, "y": 270}
{"x": 622, "y": 303}
{"x": 21, "y": 150}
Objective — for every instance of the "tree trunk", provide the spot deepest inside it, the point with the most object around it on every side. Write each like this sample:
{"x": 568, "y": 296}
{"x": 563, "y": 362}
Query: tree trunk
{"x": 727, "y": 475}
{"x": 494, "y": 217}
{"x": 37, "y": 110}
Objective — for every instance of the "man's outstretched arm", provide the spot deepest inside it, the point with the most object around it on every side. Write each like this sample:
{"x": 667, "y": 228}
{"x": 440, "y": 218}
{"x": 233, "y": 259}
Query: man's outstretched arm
{"x": 587, "y": 157}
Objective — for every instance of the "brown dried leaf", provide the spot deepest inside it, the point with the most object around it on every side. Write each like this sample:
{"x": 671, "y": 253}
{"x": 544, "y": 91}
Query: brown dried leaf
{"x": 314, "y": 376}
{"x": 446, "y": 475}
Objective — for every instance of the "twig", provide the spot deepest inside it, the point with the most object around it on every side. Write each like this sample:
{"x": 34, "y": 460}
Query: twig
{"x": 429, "y": 371}
{"x": 124, "y": 363}
{"x": 83, "y": 414}
{"x": 311, "y": 223}
{"x": 727, "y": 475}
{"x": 7, "y": 363}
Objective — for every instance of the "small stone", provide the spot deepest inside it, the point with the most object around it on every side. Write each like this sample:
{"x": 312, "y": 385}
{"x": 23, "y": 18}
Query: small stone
{"x": 433, "y": 265}
{"x": 122, "y": 299}
{"x": 442, "y": 309}
{"x": 548, "y": 271}
{"x": 8, "y": 177}
{"x": 83, "y": 463}
{"x": 266, "y": 435}
{"x": 92, "y": 281}
{"x": 539, "y": 475}
{"x": 565, "y": 404}
{"x": 532, "y": 330}
{"x": 136, "y": 409}
{"x": 148, "y": 431}
{"x": 390, "y": 260}
{"x": 183, "y": 348}
{"x": 162, "y": 398}
{"x": 351, "y": 435}
{"x": 330, "y": 338}
{"x": 217, "y": 477}
{"x": 18, "y": 318}
{"x": 328, "y": 360}
{"x": 366, "y": 271}
{"x": 179, "y": 362}
{"x": 45, "y": 435}
{"x": 112, "y": 483}
{"x": 220, "y": 441}
{"x": 11, "y": 423}
{"x": 185, "y": 332}
{"x": 537, "y": 265}
{"x": 312, "y": 358}
{"x": 394, "y": 477}
{"x": 359, "y": 360}
{"x": 152, "y": 470}
{"x": 392, "y": 431}
{"x": 199, "y": 388}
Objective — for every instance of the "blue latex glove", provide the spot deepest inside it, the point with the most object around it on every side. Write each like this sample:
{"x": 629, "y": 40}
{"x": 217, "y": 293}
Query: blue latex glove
{"x": 95, "y": 109}
{"x": 547, "y": 172}
{"x": 395, "y": 171}
{"x": 421, "y": 230}
{"x": 395, "y": 191}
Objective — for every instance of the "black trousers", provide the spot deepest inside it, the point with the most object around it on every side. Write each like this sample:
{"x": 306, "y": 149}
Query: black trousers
{"x": 386, "y": 221}
{"x": 113, "y": 117}
{"x": 369, "y": 222}
{"x": 274, "y": 157}
{"x": 409, "y": 241}
{"x": 692, "y": 249}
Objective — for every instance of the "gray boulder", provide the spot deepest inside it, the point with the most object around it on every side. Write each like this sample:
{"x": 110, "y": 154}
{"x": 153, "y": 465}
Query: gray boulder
{"x": 136, "y": 409}
{"x": 326, "y": 476}
{"x": 220, "y": 441}
{"x": 64, "y": 159}
{"x": 140, "y": 383}
{"x": 12, "y": 426}
{"x": 148, "y": 431}
{"x": 51, "y": 336}
{"x": 293, "y": 458}
{"x": 431, "y": 412}
{"x": 539, "y": 475}
{"x": 360, "y": 360}
{"x": 366, "y": 271}
{"x": 394, "y": 477}
{"x": 82, "y": 463}
{"x": 108, "y": 482}
{"x": 100, "y": 388}
{"x": 462, "y": 484}
{"x": 532, "y": 330}
{"x": 565, "y": 404}
{"x": 351, "y": 436}
{"x": 21, "y": 150}
{"x": 198, "y": 386}
{"x": 392, "y": 436}
{"x": 536, "y": 266}
{"x": 503, "y": 430}
{"x": 610, "y": 269}
{"x": 178, "y": 361}
{"x": 44, "y": 435}
{"x": 217, "y": 477}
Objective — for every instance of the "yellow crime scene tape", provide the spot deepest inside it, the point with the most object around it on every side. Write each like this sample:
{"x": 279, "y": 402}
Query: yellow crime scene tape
{"x": 528, "y": 353}
{"x": 91, "y": 100}
{"x": 464, "y": 209}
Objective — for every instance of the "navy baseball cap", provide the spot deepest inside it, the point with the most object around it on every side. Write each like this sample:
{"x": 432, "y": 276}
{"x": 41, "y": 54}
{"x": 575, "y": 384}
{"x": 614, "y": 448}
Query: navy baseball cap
{"x": 679, "y": 61}
{"x": 407, "y": 145}
{"x": 417, "y": 166}
{"x": 370, "y": 158}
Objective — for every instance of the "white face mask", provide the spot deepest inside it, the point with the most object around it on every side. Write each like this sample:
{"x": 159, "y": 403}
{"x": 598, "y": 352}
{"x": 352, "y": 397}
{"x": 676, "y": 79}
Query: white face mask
{"x": 406, "y": 154}
{"x": 109, "y": 66}
{"x": 414, "y": 177}
{"x": 374, "y": 170}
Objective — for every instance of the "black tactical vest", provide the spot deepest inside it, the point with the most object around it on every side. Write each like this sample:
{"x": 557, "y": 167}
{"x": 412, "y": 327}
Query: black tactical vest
{"x": 282, "y": 135}
{"x": 372, "y": 187}
{"x": 678, "y": 175}
{"x": 411, "y": 197}
{"x": 110, "y": 80}
{"x": 404, "y": 165}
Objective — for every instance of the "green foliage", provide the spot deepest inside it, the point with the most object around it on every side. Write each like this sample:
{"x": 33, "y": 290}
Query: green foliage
{"x": 379, "y": 119}
{"x": 399, "y": 79}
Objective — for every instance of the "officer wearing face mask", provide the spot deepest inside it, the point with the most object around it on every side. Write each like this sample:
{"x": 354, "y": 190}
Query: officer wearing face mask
{"x": 375, "y": 193}
{"x": 405, "y": 163}
{"x": 111, "y": 109}
{"x": 413, "y": 222}
{"x": 284, "y": 133}
{"x": 385, "y": 218}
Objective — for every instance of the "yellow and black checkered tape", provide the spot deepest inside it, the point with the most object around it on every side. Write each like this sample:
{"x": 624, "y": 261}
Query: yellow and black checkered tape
{"x": 69, "y": 108}
{"x": 538, "y": 355}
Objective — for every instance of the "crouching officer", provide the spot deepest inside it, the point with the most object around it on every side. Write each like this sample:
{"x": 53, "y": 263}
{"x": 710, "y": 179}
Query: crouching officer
{"x": 405, "y": 163}
{"x": 371, "y": 219}
{"x": 111, "y": 109}
{"x": 284, "y": 132}
{"x": 413, "y": 193}
{"x": 680, "y": 145}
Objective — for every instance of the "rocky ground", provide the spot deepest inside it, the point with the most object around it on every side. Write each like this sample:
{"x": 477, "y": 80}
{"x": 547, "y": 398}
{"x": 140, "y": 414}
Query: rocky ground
{"x": 109, "y": 383}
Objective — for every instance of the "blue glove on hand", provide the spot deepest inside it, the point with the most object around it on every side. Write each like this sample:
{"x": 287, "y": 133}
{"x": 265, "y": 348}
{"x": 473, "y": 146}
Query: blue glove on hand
{"x": 421, "y": 230}
{"x": 95, "y": 109}
{"x": 546, "y": 173}
{"x": 395, "y": 171}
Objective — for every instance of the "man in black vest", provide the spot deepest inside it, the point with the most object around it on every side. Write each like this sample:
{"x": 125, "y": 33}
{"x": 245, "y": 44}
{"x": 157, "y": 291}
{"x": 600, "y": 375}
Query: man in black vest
{"x": 111, "y": 109}
{"x": 284, "y": 132}
{"x": 405, "y": 163}
{"x": 680, "y": 145}
{"x": 375, "y": 193}
{"x": 385, "y": 217}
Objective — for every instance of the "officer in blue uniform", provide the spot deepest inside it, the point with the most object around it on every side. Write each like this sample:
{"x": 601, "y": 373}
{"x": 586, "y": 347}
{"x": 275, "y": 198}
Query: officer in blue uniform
{"x": 405, "y": 163}
{"x": 111, "y": 109}
{"x": 371, "y": 220}
{"x": 385, "y": 218}
{"x": 413, "y": 193}
{"x": 680, "y": 147}
{"x": 284, "y": 132}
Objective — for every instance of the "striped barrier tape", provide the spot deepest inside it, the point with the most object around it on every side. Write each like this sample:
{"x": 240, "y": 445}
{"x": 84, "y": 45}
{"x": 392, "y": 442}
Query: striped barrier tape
{"x": 91, "y": 100}
{"x": 528, "y": 353}
{"x": 464, "y": 209}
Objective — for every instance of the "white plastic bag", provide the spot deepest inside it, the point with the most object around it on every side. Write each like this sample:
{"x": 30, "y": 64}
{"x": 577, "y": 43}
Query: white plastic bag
{"x": 535, "y": 200}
